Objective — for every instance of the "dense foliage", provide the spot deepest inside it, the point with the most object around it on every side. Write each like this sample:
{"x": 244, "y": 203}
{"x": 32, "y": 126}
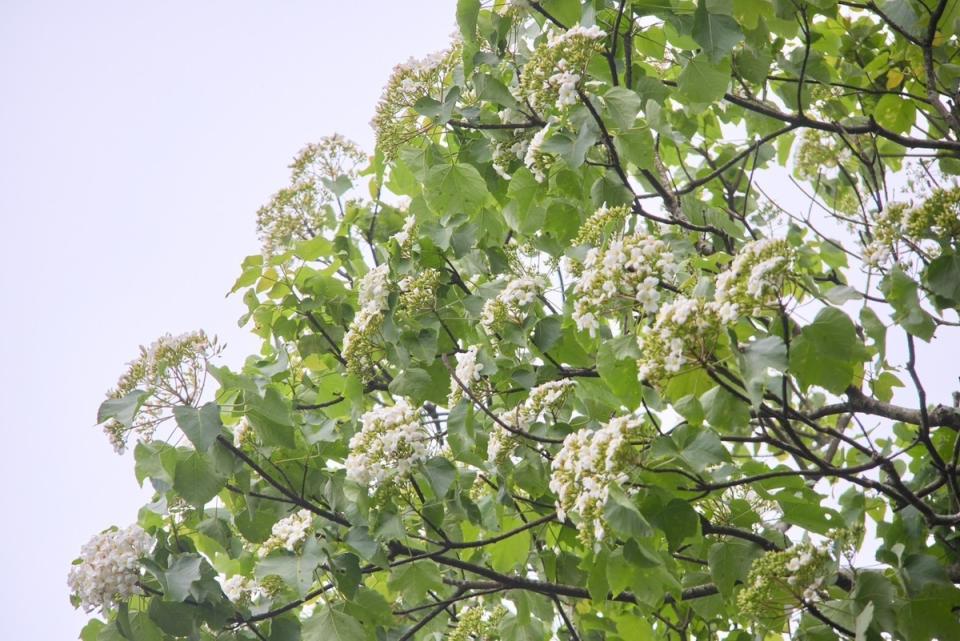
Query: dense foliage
{"x": 552, "y": 364}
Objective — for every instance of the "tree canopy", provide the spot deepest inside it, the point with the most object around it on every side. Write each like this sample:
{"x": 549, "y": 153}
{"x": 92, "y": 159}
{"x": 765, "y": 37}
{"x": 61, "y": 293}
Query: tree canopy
{"x": 555, "y": 363}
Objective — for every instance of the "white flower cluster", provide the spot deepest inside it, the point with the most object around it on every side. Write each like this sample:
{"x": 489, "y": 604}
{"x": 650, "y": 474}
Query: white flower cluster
{"x": 243, "y": 590}
{"x": 243, "y": 433}
{"x": 405, "y": 237}
{"x": 547, "y": 397}
{"x": 681, "y": 326}
{"x": 625, "y": 274}
{"x": 288, "y": 533}
{"x": 508, "y": 305}
{"x": 754, "y": 278}
{"x": 109, "y": 568}
{"x": 359, "y": 343}
{"x": 505, "y": 151}
{"x": 396, "y": 120}
{"x": 389, "y": 444}
{"x": 585, "y": 467}
{"x": 467, "y": 372}
{"x": 171, "y": 369}
{"x": 535, "y": 159}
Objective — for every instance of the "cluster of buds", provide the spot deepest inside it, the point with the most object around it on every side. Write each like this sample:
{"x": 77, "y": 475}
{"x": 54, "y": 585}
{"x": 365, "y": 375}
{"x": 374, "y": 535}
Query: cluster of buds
{"x": 587, "y": 464}
{"x": 396, "y": 120}
{"x": 508, "y": 306}
{"x": 537, "y": 160}
{"x": 603, "y": 223}
{"x": 477, "y": 624}
{"x": 779, "y": 578}
{"x": 553, "y": 74}
{"x": 467, "y": 372}
{"x": 288, "y": 533}
{"x": 548, "y": 397}
{"x": 360, "y": 342}
{"x": 390, "y": 443}
{"x": 298, "y": 212}
{"x": 624, "y": 275}
{"x": 108, "y": 570}
{"x": 418, "y": 293}
{"x": 172, "y": 371}
{"x": 754, "y": 278}
{"x": 898, "y": 225}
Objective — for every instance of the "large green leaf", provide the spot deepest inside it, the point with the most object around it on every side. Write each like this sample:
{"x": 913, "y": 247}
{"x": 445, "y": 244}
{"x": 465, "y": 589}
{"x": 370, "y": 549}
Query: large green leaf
{"x": 330, "y": 624}
{"x": 717, "y": 34}
{"x": 901, "y": 292}
{"x": 197, "y": 479}
{"x": 202, "y": 426}
{"x": 703, "y": 81}
{"x": 454, "y": 189}
{"x": 827, "y": 352}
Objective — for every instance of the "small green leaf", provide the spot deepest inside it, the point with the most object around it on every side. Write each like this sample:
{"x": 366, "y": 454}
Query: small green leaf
{"x": 943, "y": 276}
{"x": 467, "y": 12}
{"x": 122, "y": 409}
{"x": 182, "y": 573}
{"x": 901, "y": 292}
{"x": 757, "y": 358}
{"x": 441, "y": 474}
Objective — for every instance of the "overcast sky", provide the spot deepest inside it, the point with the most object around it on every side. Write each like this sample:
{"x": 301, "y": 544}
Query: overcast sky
{"x": 137, "y": 140}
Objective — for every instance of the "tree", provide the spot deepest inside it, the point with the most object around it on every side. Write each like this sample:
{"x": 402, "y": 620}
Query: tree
{"x": 565, "y": 370}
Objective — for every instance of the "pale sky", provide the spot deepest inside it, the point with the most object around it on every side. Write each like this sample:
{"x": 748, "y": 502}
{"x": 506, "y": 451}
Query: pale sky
{"x": 137, "y": 140}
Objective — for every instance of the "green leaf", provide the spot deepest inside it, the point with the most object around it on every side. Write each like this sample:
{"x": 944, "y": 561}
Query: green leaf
{"x": 636, "y": 145}
{"x": 272, "y": 418}
{"x": 182, "y": 573}
{"x": 330, "y": 624}
{"x": 758, "y": 357}
{"x": 730, "y": 561}
{"x": 441, "y": 474}
{"x": 122, "y": 409}
{"x": 895, "y": 113}
{"x": 702, "y": 81}
{"x": 415, "y": 579}
{"x": 624, "y": 517}
{"x": 716, "y": 34}
{"x": 197, "y": 479}
{"x": 620, "y": 375}
{"x": 827, "y": 352}
{"x": 901, "y": 292}
{"x": 467, "y": 12}
{"x": 454, "y": 189}
{"x": 296, "y": 570}
{"x": 178, "y": 619}
{"x": 511, "y": 553}
{"x": 413, "y": 382}
{"x": 674, "y": 517}
{"x": 943, "y": 276}
{"x": 202, "y": 426}
{"x": 623, "y": 106}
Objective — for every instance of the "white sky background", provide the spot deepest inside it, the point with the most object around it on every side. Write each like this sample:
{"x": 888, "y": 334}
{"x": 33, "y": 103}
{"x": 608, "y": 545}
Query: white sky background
{"x": 137, "y": 140}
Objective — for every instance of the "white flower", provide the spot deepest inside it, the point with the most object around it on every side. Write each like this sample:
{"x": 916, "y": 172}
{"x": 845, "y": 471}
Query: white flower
{"x": 585, "y": 467}
{"x": 288, "y": 533}
{"x": 242, "y": 590}
{"x": 534, "y": 159}
{"x": 507, "y": 306}
{"x": 109, "y": 568}
{"x": 543, "y": 398}
{"x": 467, "y": 372}
{"x": 404, "y": 236}
{"x": 390, "y": 443}
{"x": 626, "y": 273}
